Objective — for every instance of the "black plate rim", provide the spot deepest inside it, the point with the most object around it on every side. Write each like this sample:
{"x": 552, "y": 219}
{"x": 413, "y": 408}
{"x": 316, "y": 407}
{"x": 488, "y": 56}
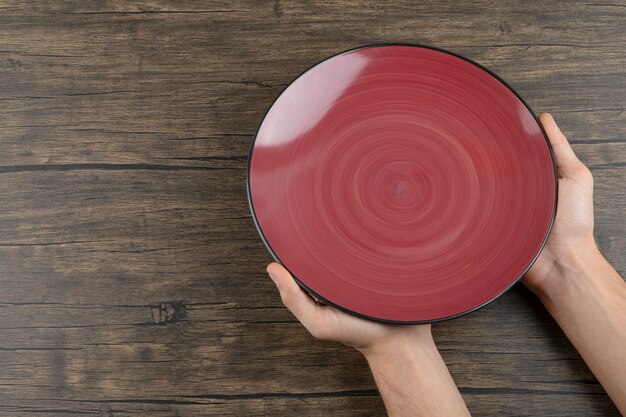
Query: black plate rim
{"x": 377, "y": 319}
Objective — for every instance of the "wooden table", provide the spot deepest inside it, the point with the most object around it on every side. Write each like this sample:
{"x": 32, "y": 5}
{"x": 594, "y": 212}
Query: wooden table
{"x": 132, "y": 277}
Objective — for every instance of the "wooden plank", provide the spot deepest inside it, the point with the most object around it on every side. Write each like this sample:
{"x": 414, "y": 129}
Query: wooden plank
{"x": 132, "y": 276}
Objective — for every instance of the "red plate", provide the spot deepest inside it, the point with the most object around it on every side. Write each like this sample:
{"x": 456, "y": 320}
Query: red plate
{"x": 402, "y": 183}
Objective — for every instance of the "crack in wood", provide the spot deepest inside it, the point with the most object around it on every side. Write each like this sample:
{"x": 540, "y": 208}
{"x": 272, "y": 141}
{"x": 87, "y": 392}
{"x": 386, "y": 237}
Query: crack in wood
{"x": 106, "y": 167}
{"x": 168, "y": 312}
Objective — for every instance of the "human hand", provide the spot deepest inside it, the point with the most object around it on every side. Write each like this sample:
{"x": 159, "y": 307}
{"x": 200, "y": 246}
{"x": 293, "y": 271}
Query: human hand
{"x": 572, "y": 233}
{"x": 327, "y": 323}
{"x": 577, "y": 285}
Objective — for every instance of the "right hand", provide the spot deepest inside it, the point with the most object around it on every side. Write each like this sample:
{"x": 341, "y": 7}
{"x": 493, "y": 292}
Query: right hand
{"x": 572, "y": 232}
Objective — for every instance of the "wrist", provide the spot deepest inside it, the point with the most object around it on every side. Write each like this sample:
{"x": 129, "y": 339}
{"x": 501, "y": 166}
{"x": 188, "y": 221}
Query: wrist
{"x": 572, "y": 266}
{"x": 403, "y": 344}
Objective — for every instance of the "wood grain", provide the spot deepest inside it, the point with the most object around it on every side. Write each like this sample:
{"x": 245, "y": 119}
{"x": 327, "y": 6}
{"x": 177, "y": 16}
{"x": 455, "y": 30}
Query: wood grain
{"x": 132, "y": 278}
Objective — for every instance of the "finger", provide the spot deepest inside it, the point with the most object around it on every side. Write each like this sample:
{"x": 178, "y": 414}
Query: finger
{"x": 295, "y": 299}
{"x": 564, "y": 155}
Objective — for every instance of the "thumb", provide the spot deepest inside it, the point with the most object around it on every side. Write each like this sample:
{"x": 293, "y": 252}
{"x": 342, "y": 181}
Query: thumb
{"x": 564, "y": 155}
{"x": 295, "y": 299}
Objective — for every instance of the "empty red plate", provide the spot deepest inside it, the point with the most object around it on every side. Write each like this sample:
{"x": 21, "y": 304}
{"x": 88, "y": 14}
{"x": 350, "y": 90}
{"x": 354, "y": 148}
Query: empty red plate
{"x": 402, "y": 183}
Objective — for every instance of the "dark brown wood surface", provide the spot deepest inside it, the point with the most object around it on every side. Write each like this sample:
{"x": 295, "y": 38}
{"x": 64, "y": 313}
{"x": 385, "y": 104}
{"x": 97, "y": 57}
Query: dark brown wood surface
{"x": 131, "y": 275}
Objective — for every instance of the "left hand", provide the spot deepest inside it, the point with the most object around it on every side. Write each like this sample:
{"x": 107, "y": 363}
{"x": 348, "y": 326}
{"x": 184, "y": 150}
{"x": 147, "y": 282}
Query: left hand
{"x": 327, "y": 323}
